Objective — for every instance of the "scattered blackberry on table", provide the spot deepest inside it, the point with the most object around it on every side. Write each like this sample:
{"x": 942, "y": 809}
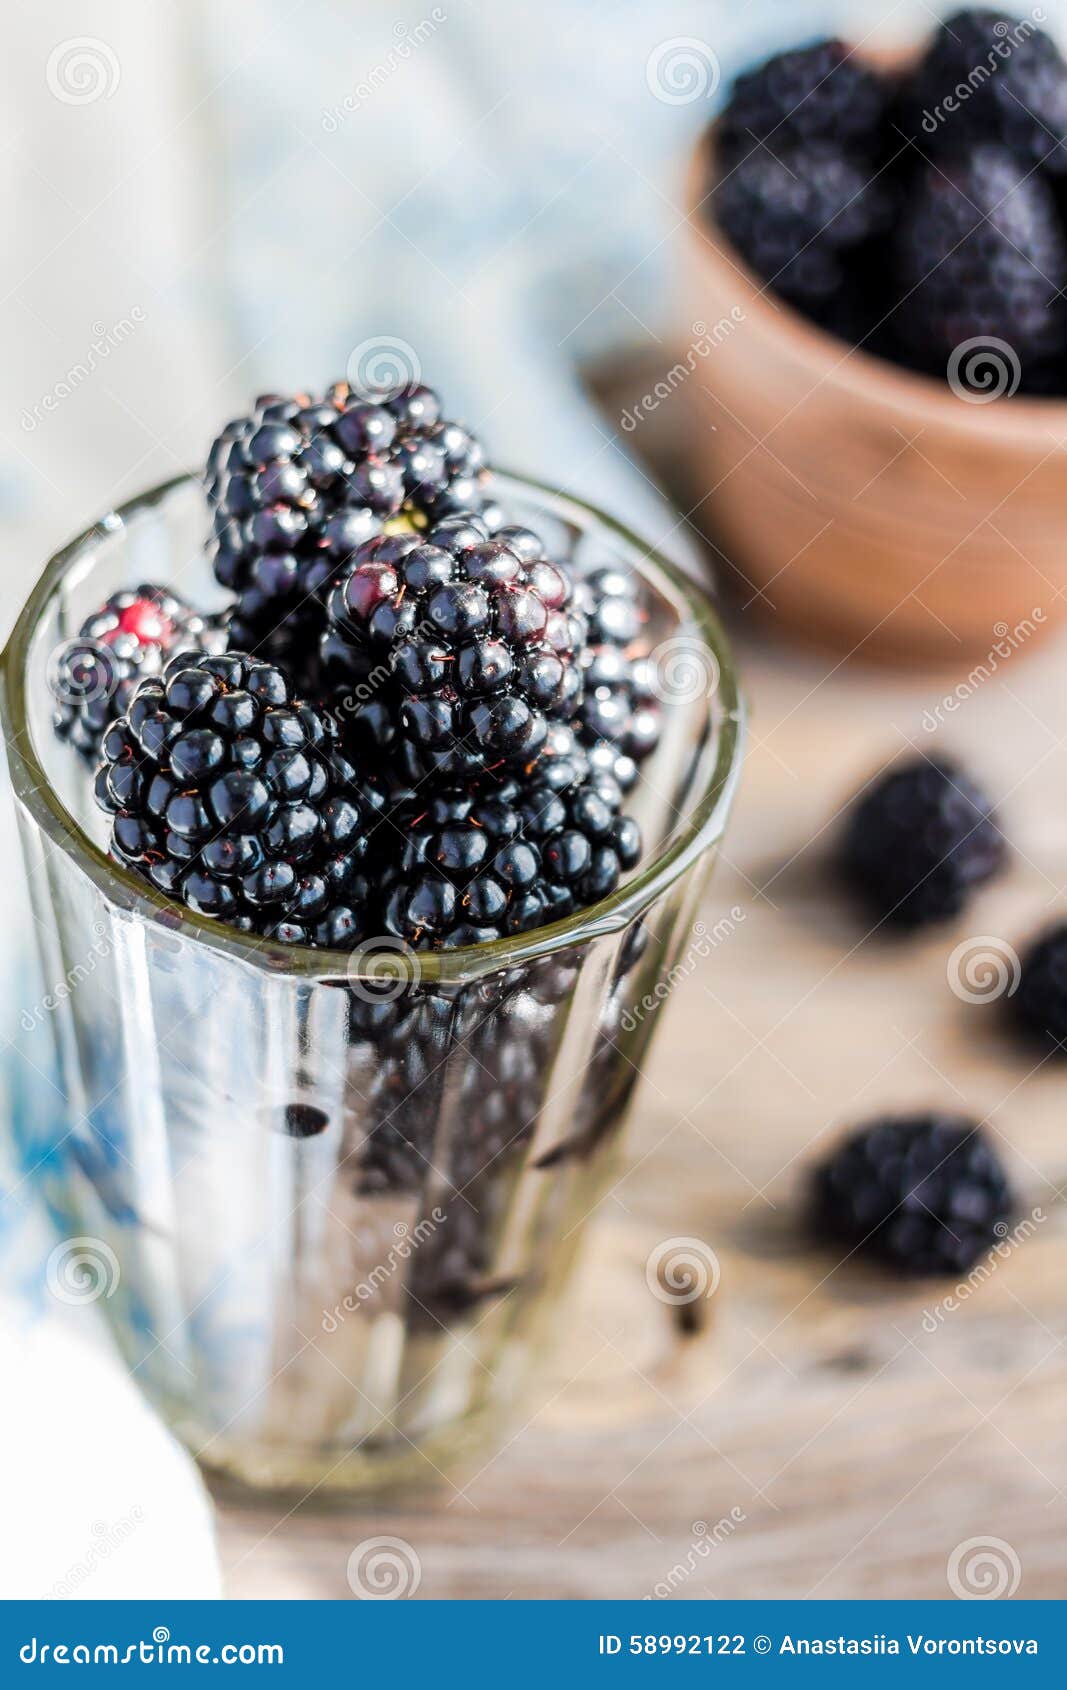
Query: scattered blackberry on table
{"x": 94, "y": 675}
{"x": 472, "y": 867}
{"x": 1018, "y": 100}
{"x": 232, "y": 797}
{"x": 824, "y": 92}
{"x": 1038, "y": 1007}
{"x": 979, "y": 253}
{"x": 482, "y": 638}
{"x": 299, "y": 484}
{"x": 923, "y": 1194}
{"x": 799, "y": 216}
{"x": 918, "y": 843}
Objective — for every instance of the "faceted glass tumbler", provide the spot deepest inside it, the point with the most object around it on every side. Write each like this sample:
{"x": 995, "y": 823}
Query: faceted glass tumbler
{"x": 337, "y": 1196}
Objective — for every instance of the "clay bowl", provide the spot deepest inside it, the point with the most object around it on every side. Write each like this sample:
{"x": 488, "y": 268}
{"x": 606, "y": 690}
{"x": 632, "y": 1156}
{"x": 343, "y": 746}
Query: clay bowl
{"x": 867, "y": 507}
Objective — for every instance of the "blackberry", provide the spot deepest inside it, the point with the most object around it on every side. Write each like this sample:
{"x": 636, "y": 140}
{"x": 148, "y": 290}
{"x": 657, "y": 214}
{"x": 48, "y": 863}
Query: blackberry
{"x": 232, "y": 797}
{"x": 979, "y": 254}
{"x": 800, "y": 216}
{"x": 299, "y": 484}
{"x": 473, "y": 866}
{"x": 480, "y": 638}
{"x": 619, "y": 719}
{"x": 1038, "y": 1007}
{"x": 94, "y": 675}
{"x": 923, "y": 1194}
{"x": 1016, "y": 90}
{"x": 919, "y": 842}
{"x": 823, "y": 92}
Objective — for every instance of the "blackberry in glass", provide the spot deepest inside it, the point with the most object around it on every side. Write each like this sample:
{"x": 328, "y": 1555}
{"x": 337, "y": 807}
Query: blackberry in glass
{"x": 232, "y": 797}
{"x": 481, "y": 639}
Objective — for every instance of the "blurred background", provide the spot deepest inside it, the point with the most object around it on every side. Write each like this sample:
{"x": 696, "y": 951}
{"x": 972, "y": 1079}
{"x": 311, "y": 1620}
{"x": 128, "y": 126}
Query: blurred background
{"x": 205, "y": 201}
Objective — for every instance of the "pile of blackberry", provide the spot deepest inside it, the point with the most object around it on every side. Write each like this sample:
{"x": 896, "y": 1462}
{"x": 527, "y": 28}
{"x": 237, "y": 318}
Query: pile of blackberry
{"x": 915, "y": 213}
{"x": 410, "y": 722}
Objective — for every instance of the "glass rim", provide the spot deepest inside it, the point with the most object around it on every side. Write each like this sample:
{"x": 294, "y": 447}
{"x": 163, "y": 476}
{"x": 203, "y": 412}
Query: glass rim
{"x": 701, "y": 827}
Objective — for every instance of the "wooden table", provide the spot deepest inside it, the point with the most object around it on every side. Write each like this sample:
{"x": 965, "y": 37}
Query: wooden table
{"x": 815, "y": 1437}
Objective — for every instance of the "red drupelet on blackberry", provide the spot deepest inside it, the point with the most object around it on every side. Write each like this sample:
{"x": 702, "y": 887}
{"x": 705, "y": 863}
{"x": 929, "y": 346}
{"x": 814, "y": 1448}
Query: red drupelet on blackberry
{"x": 476, "y": 642}
{"x": 94, "y": 675}
{"x": 300, "y": 483}
{"x": 232, "y": 797}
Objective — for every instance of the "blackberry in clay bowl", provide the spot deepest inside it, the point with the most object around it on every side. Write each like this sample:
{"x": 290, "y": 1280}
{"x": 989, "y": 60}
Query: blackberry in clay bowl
{"x": 876, "y": 379}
